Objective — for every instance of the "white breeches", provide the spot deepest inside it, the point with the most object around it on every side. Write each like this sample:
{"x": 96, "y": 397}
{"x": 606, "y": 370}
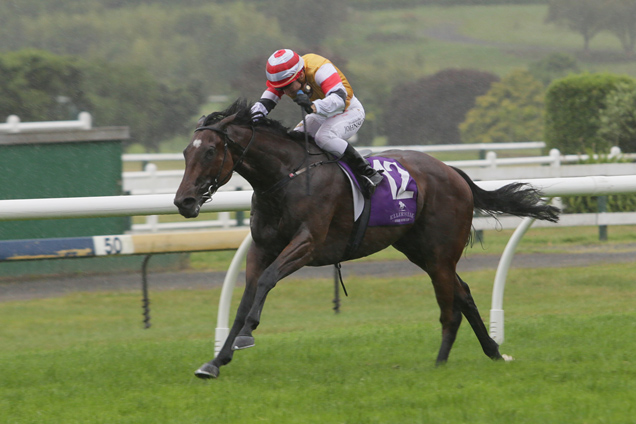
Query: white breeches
{"x": 331, "y": 133}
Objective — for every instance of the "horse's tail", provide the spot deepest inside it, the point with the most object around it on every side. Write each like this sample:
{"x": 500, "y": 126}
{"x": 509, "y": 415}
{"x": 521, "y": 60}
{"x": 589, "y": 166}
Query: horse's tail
{"x": 518, "y": 199}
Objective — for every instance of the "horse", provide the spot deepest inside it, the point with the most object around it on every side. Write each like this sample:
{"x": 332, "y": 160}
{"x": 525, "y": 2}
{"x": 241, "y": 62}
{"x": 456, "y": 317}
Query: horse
{"x": 302, "y": 214}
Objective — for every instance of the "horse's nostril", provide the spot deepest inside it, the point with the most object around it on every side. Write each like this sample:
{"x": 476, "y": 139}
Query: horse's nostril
{"x": 188, "y": 202}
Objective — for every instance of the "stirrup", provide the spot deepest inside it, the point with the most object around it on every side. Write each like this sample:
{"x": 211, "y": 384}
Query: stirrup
{"x": 368, "y": 185}
{"x": 375, "y": 178}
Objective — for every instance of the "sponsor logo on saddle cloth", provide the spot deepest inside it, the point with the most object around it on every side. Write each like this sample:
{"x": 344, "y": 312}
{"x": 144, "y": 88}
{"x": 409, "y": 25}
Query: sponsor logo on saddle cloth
{"x": 395, "y": 199}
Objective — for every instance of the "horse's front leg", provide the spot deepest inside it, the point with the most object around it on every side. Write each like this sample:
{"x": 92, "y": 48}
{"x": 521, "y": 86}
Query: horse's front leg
{"x": 295, "y": 255}
{"x": 256, "y": 263}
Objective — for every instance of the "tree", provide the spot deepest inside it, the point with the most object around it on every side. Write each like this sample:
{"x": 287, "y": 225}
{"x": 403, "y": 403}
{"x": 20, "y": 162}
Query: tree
{"x": 511, "y": 111}
{"x": 573, "y": 105}
{"x": 622, "y": 23}
{"x": 587, "y": 17}
{"x": 40, "y": 86}
{"x": 172, "y": 40}
{"x": 129, "y": 95}
{"x": 429, "y": 110}
{"x": 554, "y": 66}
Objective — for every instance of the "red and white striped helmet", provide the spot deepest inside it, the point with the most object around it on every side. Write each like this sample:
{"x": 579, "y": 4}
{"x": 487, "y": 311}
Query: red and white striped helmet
{"x": 283, "y": 68}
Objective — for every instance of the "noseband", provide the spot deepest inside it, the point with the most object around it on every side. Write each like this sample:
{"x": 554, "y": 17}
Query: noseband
{"x": 227, "y": 140}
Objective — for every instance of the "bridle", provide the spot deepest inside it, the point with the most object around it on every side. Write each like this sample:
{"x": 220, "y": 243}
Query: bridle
{"x": 227, "y": 140}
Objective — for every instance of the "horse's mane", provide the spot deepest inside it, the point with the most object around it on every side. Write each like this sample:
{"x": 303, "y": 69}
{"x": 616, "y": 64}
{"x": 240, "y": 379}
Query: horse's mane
{"x": 242, "y": 108}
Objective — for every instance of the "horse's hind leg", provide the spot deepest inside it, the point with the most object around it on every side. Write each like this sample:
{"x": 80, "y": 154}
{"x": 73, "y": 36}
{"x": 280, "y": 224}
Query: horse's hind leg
{"x": 469, "y": 309}
{"x": 454, "y": 299}
{"x": 452, "y": 294}
{"x": 450, "y": 309}
{"x": 445, "y": 283}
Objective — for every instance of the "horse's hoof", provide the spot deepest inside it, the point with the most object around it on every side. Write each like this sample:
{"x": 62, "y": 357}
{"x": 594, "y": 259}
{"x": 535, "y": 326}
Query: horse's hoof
{"x": 507, "y": 358}
{"x": 207, "y": 371}
{"x": 243, "y": 342}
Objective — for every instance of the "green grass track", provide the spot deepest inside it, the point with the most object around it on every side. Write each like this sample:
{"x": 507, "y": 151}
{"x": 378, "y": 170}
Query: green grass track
{"x": 84, "y": 358}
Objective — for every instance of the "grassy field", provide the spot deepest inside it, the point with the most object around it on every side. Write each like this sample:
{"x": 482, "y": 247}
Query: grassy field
{"x": 84, "y": 358}
{"x": 411, "y": 43}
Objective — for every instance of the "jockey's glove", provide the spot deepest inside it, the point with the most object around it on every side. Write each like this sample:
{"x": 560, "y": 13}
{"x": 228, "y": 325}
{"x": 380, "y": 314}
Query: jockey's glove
{"x": 259, "y": 111}
{"x": 303, "y": 101}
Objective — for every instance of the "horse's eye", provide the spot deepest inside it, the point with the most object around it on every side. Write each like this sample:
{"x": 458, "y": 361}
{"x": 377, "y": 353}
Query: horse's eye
{"x": 210, "y": 153}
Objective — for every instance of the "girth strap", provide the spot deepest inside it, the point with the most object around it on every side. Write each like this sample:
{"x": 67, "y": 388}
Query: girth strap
{"x": 358, "y": 231}
{"x": 339, "y": 271}
{"x": 357, "y": 234}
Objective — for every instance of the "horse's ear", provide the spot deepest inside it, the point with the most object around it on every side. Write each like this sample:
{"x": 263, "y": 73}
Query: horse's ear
{"x": 227, "y": 121}
{"x": 201, "y": 121}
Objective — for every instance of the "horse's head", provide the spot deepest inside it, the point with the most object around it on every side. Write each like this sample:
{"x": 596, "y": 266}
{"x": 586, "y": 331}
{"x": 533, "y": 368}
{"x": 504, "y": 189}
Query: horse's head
{"x": 209, "y": 165}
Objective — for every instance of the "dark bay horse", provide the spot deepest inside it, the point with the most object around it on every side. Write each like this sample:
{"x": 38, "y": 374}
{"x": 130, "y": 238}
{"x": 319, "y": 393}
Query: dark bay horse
{"x": 294, "y": 227}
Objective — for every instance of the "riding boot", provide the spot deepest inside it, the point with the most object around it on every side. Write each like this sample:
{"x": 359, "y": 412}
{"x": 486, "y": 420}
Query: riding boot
{"x": 368, "y": 177}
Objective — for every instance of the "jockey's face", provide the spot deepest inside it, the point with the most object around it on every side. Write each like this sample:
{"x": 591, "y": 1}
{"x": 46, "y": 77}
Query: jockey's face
{"x": 293, "y": 88}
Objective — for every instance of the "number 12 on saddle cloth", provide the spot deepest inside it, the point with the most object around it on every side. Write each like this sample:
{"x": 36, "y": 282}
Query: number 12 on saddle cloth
{"x": 395, "y": 199}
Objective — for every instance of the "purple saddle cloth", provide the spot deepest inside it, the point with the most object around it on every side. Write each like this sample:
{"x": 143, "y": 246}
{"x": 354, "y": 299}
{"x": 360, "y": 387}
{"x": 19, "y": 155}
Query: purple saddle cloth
{"x": 395, "y": 199}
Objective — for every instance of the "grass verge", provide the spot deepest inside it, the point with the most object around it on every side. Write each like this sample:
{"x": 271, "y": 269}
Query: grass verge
{"x": 83, "y": 358}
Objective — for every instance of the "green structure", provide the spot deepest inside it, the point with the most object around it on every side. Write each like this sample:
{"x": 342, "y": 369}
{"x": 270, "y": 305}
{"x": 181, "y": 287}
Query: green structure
{"x": 61, "y": 163}
{"x": 76, "y": 163}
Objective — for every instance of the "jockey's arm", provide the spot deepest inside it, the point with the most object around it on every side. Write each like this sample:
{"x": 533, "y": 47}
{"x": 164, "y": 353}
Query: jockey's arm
{"x": 267, "y": 102}
{"x": 331, "y": 84}
{"x": 333, "y": 103}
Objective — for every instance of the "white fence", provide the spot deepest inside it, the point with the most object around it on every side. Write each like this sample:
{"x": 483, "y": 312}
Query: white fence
{"x": 152, "y": 181}
{"x": 555, "y": 165}
{"x": 107, "y": 206}
{"x": 473, "y": 147}
{"x": 14, "y": 125}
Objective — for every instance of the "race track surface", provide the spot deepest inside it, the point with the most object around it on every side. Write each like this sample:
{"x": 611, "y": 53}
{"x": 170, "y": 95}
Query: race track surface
{"x": 59, "y": 286}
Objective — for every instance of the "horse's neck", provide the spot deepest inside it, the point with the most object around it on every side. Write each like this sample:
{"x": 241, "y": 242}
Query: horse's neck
{"x": 270, "y": 159}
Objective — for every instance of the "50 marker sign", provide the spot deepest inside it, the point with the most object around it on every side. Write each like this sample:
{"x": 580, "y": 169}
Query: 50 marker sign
{"x": 113, "y": 245}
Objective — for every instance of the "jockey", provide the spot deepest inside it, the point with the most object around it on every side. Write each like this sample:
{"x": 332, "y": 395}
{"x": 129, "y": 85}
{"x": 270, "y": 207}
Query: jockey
{"x": 334, "y": 113}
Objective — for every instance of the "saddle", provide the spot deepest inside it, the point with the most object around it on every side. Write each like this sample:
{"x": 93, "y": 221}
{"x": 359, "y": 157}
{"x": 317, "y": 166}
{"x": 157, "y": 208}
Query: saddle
{"x": 393, "y": 203}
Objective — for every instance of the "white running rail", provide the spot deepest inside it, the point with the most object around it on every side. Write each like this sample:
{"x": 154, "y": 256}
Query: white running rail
{"x": 14, "y": 125}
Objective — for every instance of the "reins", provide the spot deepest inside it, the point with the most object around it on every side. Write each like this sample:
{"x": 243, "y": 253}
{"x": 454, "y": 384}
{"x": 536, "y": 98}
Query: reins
{"x": 218, "y": 181}
{"x": 293, "y": 175}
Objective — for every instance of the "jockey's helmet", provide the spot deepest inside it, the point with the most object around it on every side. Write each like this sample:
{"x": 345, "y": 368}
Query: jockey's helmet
{"x": 283, "y": 68}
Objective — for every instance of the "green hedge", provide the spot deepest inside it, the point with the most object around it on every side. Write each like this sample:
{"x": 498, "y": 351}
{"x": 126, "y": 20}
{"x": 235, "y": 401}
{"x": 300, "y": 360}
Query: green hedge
{"x": 589, "y": 204}
{"x": 572, "y": 111}
{"x": 618, "y": 119}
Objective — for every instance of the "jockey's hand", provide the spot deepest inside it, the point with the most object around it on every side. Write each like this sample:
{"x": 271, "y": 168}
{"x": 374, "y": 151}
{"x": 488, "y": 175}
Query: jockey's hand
{"x": 258, "y": 111}
{"x": 303, "y": 101}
